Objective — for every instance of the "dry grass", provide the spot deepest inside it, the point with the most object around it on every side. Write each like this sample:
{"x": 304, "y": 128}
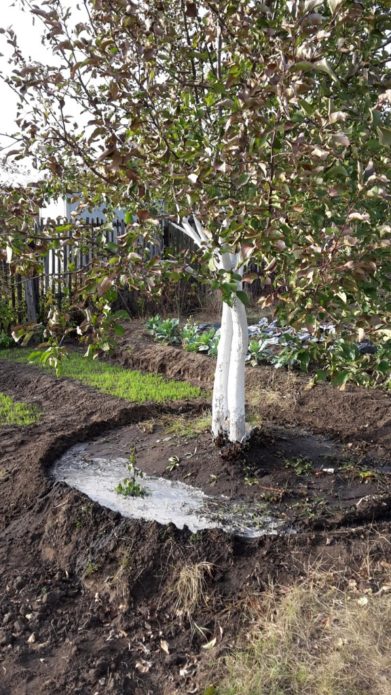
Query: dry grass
{"x": 182, "y": 426}
{"x": 189, "y": 587}
{"x": 283, "y": 396}
{"x": 313, "y": 639}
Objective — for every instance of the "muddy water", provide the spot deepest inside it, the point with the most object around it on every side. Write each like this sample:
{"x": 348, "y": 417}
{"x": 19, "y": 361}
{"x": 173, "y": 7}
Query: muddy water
{"x": 165, "y": 501}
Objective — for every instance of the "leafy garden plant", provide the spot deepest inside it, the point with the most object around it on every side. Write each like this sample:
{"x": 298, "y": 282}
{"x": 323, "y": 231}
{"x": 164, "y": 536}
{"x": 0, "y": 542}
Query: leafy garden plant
{"x": 164, "y": 330}
{"x": 194, "y": 340}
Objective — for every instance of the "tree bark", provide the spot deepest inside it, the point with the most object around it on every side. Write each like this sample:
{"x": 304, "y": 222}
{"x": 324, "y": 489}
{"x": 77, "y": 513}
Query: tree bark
{"x": 236, "y": 380}
{"x": 220, "y": 411}
{"x": 228, "y": 401}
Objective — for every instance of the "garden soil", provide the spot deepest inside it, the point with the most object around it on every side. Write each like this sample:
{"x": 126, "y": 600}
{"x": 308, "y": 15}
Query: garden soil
{"x": 90, "y": 601}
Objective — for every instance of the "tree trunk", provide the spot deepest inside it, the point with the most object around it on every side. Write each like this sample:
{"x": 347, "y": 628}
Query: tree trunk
{"x": 220, "y": 412}
{"x": 236, "y": 380}
{"x": 228, "y": 403}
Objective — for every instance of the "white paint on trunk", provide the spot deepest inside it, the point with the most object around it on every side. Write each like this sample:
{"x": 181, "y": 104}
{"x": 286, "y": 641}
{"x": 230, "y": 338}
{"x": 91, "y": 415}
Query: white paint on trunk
{"x": 236, "y": 380}
{"x": 220, "y": 412}
{"x": 228, "y": 402}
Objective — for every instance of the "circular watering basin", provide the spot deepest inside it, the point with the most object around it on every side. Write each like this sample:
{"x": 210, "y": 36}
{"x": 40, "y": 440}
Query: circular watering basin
{"x": 164, "y": 501}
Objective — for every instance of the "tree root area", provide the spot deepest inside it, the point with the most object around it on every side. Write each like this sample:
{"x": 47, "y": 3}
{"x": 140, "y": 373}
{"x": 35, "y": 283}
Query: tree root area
{"x": 94, "y": 603}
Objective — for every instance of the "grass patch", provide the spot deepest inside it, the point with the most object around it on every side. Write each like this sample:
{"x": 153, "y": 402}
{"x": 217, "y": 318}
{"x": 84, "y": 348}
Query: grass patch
{"x": 187, "y": 427}
{"x": 116, "y": 380}
{"x": 315, "y": 640}
{"x": 15, "y": 413}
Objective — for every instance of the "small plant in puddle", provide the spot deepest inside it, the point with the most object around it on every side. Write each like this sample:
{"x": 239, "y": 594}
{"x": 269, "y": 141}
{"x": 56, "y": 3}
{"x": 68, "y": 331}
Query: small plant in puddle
{"x": 129, "y": 487}
{"x": 300, "y": 465}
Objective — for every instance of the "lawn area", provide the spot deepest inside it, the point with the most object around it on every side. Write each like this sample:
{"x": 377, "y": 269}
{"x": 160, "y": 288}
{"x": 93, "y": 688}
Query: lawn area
{"x": 313, "y": 639}
{"x": 15, "y": 413}
{"x": 115, "y": 380}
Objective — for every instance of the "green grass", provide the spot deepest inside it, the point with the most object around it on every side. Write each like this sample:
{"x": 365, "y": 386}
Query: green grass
{"x": 14, "y": 413}
{"x": 116, "y": 380}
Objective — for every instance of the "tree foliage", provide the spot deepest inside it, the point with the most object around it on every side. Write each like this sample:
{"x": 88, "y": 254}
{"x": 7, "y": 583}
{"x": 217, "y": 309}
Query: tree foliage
{"x": 269, "y": 120}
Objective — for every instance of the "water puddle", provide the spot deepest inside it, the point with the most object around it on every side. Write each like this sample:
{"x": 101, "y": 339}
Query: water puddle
{"x": 165, "y": 501}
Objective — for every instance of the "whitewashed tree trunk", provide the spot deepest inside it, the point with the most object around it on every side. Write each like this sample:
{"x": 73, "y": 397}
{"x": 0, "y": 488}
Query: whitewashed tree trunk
{"x": 228, "y": 402}
{"x": 220, "y": 411}
{"x": 236, "y": 380}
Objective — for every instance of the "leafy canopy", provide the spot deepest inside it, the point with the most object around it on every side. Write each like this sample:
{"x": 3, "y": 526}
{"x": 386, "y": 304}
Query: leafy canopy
{"x": 270, "y": 120}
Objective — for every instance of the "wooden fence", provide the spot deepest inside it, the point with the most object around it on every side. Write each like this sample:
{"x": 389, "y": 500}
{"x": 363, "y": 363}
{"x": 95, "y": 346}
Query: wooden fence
{"x": 64, "y": 267}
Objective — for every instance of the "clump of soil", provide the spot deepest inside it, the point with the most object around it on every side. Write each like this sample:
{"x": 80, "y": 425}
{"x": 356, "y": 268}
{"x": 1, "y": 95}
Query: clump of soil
{"x": 94, "y": 603}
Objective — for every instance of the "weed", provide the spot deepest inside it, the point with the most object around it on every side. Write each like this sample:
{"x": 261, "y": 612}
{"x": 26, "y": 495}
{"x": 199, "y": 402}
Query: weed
{"x": 173, "y": 463}
{"x": 90, "y": 569}
{"x": 366, "y": 476}
{"x": 250, "y": 481}
{"x": 187, "y": 427}
{"x": 15, "y": 413}
{"x": 147, "y": 426}
{"x": 129, "y": 487}
{"x": 300, "y": 465}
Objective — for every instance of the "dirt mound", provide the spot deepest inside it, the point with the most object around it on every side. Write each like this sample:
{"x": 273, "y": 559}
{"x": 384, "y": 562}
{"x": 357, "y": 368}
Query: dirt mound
{"x": 91, "y": 602}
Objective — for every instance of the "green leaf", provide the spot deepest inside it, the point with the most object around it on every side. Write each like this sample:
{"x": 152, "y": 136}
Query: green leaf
{"x": 318, "y": 66}
{"x": 341, "y": 378}
{"x": 243, "y": 296}
{"x": 384, "y": 136}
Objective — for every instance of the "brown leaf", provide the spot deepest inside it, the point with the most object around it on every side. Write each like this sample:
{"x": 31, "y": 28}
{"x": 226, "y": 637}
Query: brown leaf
{"x": 143, "y": 215}
{"x": 105, "y": 285}
{"x": 191, "y": 9}
{"x": 250, "y": 277}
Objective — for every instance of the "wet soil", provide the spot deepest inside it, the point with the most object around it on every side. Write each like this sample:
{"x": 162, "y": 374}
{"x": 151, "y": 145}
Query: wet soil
{"x": 300, "y": 478}
{"x": 88, "y": 599}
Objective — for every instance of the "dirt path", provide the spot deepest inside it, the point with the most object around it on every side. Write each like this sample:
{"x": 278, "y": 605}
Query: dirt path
{"x": 89, "y": 601}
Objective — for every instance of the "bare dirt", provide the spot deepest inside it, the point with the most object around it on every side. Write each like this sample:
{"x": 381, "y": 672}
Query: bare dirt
{"x": 89, "y": 600}
{"x": 356, "y": 416}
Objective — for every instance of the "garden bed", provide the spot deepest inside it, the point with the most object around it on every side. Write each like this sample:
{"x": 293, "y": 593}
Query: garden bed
{"x": 93, "y": 602}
